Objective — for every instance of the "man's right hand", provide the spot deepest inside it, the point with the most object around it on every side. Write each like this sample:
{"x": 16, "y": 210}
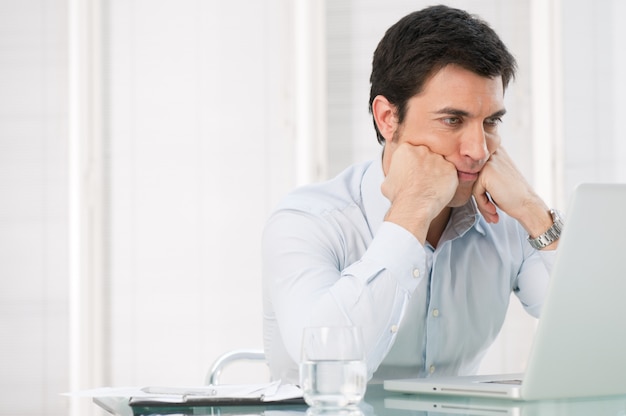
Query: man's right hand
{"x": 419, "y": 184}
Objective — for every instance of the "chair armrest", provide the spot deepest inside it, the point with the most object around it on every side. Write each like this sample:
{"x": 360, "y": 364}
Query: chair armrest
{"x": 230, "y": 357}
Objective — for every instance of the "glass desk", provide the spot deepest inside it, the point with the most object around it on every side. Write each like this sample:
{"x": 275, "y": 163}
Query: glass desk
{"x": 379, "y": 402}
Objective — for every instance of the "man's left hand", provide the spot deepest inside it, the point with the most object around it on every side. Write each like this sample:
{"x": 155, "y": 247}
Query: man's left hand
{"x": 500, "y": 184}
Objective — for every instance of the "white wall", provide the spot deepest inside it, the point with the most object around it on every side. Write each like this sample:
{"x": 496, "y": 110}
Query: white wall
{"x": 594, "y": 92}
{"x": 33, "y": 208}
{"x": 199, "y": 131}
{"x": 200, "y": 144}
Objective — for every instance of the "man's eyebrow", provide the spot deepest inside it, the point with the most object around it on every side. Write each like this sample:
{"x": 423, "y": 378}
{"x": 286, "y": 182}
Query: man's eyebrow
{"x": 453, "y": 112}
{"x": 462, "y": 113}
{"x": 498, "y": 113}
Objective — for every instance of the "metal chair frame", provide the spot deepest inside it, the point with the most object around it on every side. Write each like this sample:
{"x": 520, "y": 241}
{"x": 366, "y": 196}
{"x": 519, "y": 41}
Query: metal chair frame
{"x": 213, "y": 376}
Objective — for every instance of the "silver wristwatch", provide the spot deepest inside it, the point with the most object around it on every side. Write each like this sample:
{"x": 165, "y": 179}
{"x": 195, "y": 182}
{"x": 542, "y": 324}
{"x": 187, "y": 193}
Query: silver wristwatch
{"x": 551, "y": 235}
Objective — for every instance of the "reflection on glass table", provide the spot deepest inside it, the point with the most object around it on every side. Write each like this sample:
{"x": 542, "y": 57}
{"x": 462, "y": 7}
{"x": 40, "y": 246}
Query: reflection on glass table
{"x": 379, "y": 402}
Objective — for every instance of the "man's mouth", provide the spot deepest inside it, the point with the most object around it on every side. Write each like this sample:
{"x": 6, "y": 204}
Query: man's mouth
{"x": 467, "y": 176}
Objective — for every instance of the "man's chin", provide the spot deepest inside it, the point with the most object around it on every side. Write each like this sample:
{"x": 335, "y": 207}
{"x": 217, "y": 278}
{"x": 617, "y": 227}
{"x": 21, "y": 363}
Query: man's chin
{"x": 460, "y": 198}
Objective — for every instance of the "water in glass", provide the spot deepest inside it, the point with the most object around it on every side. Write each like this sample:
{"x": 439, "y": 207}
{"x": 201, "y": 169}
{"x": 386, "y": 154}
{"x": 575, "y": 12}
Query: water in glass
{"x": 333, "y": 383}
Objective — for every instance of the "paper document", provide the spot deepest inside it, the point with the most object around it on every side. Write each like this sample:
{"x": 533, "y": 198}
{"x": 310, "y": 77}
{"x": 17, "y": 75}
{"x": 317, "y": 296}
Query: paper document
{"x": 275, "y": 392}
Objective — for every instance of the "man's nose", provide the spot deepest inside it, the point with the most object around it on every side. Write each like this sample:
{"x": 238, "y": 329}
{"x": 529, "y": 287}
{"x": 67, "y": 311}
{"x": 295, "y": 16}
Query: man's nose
{"x": 474, "y": 145}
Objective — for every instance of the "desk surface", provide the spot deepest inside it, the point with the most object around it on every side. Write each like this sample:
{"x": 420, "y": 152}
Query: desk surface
{"x": 381, "y": 403}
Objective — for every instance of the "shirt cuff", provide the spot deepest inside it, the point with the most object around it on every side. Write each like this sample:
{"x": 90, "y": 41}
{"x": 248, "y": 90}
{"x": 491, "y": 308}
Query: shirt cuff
{"x": 397, "y": 251}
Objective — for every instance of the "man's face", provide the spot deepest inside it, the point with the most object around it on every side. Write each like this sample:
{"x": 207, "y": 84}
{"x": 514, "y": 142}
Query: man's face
{"x": 456, "y": 115}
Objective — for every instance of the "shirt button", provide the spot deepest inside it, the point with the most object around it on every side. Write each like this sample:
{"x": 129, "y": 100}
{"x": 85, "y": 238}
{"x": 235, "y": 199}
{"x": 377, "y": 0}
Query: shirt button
{"x": 431, "y": 370}
{"x": 394, "y": 329}
{"x": 416, "y": 273}
{"x": 435, "y": 312}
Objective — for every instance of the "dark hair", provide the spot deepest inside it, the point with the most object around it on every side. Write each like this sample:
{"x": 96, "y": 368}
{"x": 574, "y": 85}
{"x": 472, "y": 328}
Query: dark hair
{"x": 426, "y": 41}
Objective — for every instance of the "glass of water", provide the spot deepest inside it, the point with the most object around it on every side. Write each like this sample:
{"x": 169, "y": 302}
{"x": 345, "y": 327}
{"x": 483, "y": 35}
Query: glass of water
{"x": 333, "y": 373}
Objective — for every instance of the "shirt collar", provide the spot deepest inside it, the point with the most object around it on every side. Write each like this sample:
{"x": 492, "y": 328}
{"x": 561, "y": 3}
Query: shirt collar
{"x": 463, "y": 218}
{"x": 376, "y": 205}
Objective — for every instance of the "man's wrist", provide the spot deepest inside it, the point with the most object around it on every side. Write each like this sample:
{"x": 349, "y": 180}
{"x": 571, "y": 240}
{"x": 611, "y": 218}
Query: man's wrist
{"x": 411, "y": 217}
{"x": 551, "y": 235}
{"x": 534, "y": 215}
{"x": 414, "y": 225}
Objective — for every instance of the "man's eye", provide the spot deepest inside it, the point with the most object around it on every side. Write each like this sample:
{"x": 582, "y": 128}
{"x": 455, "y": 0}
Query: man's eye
{"x": 452, "y": 121}
{"x": 493, "y": 121}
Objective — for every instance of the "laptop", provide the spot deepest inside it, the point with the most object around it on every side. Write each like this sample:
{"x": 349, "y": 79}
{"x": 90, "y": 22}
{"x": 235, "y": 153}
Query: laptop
{"x": 484, "y": 406}
{"x": 579, "y": 349}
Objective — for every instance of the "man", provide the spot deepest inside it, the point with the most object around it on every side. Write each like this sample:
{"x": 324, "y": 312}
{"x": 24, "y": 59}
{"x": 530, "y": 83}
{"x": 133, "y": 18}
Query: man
{"x": 423, "y": 248}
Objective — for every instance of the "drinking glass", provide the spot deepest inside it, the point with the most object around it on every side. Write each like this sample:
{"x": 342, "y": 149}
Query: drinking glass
{"x": 333, "y": 373}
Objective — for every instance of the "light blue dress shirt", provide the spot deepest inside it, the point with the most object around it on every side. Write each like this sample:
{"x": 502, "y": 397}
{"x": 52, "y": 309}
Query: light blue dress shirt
{"x": 329, "y": 258}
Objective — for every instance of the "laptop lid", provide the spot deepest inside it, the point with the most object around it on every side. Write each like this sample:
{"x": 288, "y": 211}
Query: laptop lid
{"x": 580, "y": 346}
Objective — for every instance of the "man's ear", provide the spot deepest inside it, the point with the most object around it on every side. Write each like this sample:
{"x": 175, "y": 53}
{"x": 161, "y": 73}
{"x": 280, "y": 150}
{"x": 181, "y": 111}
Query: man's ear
{"x": 385, "y": 116}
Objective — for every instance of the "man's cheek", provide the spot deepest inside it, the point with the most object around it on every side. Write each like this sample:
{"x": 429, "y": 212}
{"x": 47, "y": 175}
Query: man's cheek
{"x": 493, "y": 143}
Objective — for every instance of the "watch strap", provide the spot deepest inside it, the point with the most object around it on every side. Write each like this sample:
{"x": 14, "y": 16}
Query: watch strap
{"x": 551, "y": 235}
